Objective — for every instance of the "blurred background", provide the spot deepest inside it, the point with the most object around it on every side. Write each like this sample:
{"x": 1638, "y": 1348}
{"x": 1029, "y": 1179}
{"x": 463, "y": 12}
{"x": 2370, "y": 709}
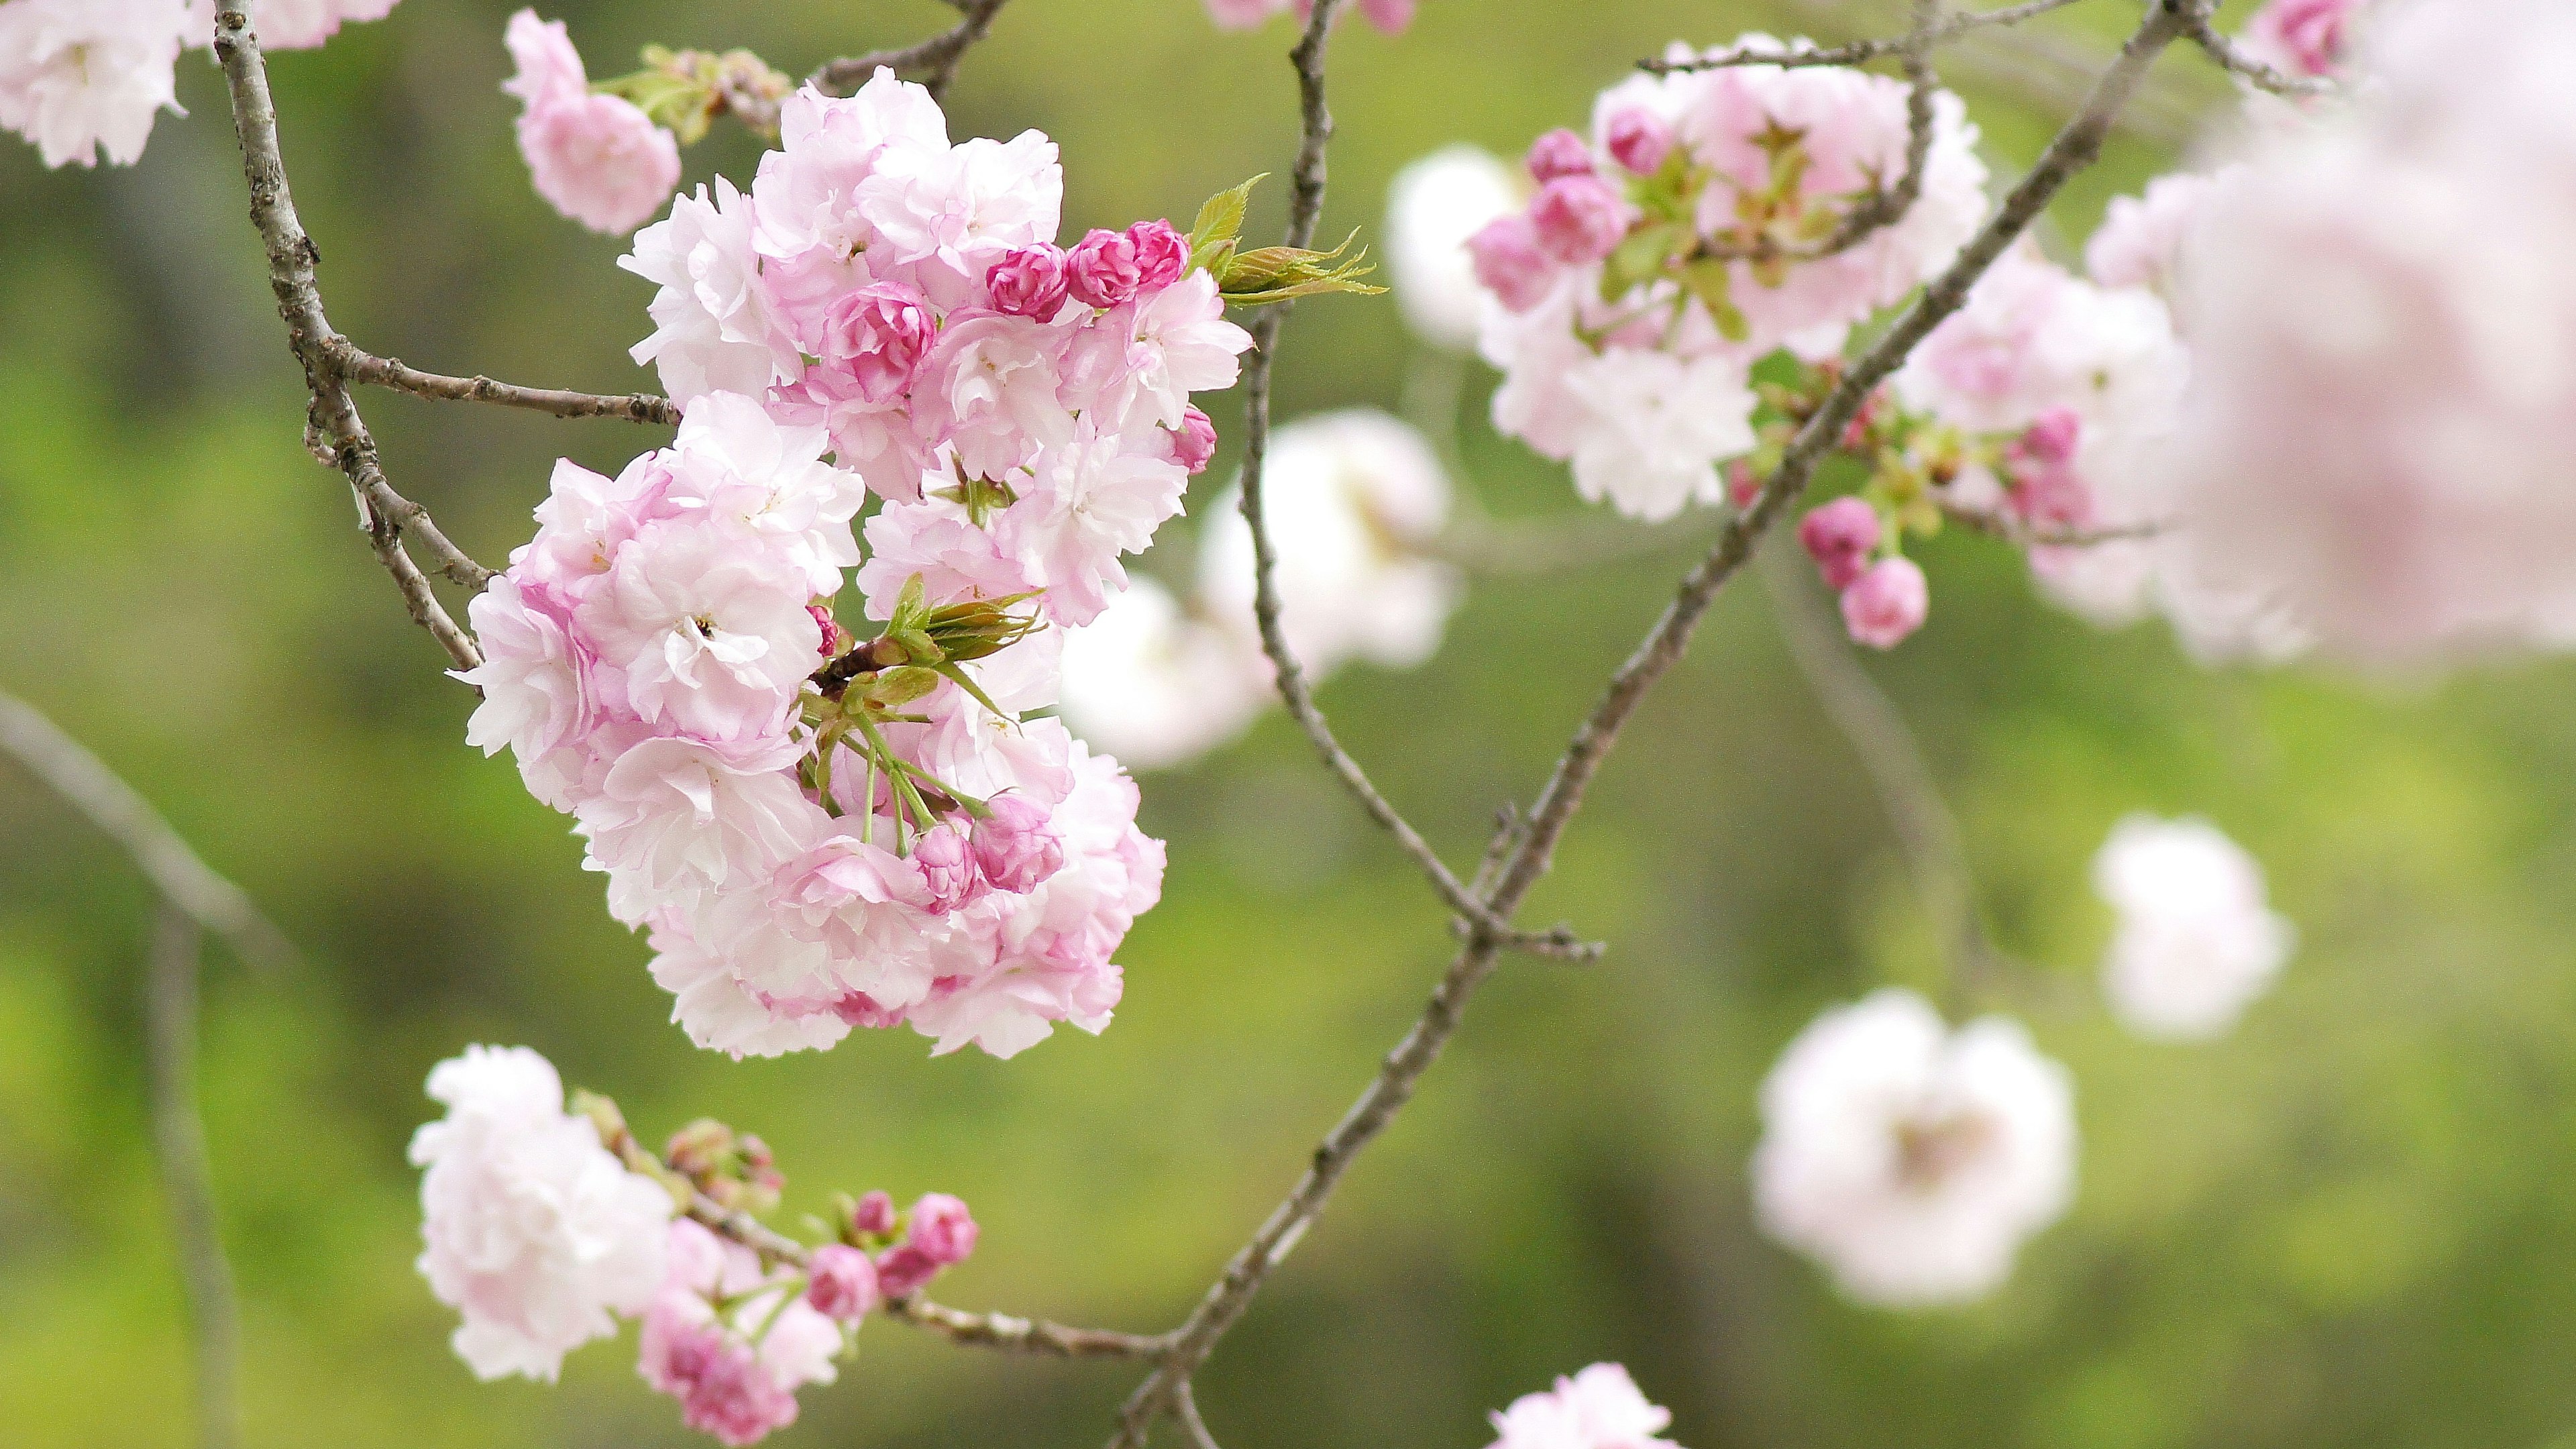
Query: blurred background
{"x": 2346, "y": 1224}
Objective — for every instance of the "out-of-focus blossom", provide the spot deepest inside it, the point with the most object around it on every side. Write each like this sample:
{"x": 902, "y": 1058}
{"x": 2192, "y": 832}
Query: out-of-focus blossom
{"x": 1434, "y": 205}
{"x": 2195, "y": 941}
{"x": 597, "y": 158}
{"x": 81, "y": 78}
{"x": 1599, "y": 1408}
{"x": 1911, "y": 1159}
{"x": 536, "y": 1234}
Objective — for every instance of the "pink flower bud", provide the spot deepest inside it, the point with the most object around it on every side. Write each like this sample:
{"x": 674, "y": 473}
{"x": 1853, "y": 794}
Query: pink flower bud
{"x": 1193, "y": 442}
{"x": 904, "y": 1271}
{"x": 942, "y": 1228}
{"x": 1162, "y": 254}
{"x": 1840, "y": 537}
{"x": 1580, "y": 219}
{"x": 2052, "y": 439}
{"x": 949, "y": 867}
{"x": 2305, "y": 37}
{"x": 1014, "y": 846}
{"x": 1029, "y": 281}
{"x": 843, "y": 1283}
{"x": 1510, "y": 264}
{"x": 1558, "y": 153}
{"x": 1639, "y": 140}
{"x": 879, "y": 333}
{"x": 1743, "y": 485}
{"x": 1102, "y": 269}
{"x": 1887, "y": 603}
{"x": 875, "y": 1215}
{"x": 834, "y": 639}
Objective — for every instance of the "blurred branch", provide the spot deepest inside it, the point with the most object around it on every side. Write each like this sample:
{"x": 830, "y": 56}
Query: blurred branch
{"x": 2024, "y": 534}
{"x": 935, "y": 60}
{"x": 2236, "y": 62}
{"x": 976, "y": 1330}
{"x": 66, "y": 767}
{"x": 179, "y": 1144}
{"x": 1306, "y": 203}
{"x": 334, "y": 428}
{"x": 350, "y": 361}
{"x": 1185, "y": 1407}
{"x": 1859, "y": 51}
{"x": 1527, "y": 859}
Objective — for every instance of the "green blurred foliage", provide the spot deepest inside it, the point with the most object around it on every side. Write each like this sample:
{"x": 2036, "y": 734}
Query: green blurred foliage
{"x": 2345, "y": 1225}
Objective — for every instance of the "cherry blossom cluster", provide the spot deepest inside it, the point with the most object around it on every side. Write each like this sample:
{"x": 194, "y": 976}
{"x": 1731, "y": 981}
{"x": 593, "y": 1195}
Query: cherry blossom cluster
{"x": 1703, "y": 225}
{"x": 82, "y": 78}
{"x": 543, "y": 1227}
{"x": 821, "y": 832}
{"x": 1598, "y": 1408}
{"x": 1355, "y": 502}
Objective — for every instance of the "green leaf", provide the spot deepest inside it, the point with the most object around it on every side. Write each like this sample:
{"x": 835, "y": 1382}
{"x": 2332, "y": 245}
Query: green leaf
{"x": 1707, "y": 279}
{"x": 1641, "y": 258}
{"x": 1220, "y": 217}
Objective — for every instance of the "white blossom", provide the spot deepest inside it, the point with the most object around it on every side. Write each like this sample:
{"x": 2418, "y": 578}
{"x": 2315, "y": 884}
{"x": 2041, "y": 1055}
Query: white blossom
{"x": 1432, "y": 207}
{"x": 2195, "y": 942}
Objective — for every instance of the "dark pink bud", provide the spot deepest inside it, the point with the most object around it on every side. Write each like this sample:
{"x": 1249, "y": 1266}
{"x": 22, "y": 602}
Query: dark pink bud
{"x": 1162, "y": 254}
{"x": 834, "y": 640}
{"x": 1558, "y": 153}
{"x": 860, "y": 1009}
{"x": 1014, "y": 846}
{"x": 1840, "y": 537}
{"x": 1743, "y": 485}
{"x": 1639, "y": 140}
{"x": 1856, "y": 436}
{"x": 843, "y": 1283}
{"x": 1580, "y": 219}
{"x": 904, "y": 1271}
{"x": 874, "y": 1215}
{"x": 2052, "y": 439}
{"x": 1887, "y": 603}
{"x": 1193, "y": 442}
{"x": 1028, "y": 281}
{"x": 1510, "y": 264}
{"x": 879, "y": 334}
{"x": 942, "y": 1228}
{"x": 948, "y": 866}
{"x": 1102, "y": 269}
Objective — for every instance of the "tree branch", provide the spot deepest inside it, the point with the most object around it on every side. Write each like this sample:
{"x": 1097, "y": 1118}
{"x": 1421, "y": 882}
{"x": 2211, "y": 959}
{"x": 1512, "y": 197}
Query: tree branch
{"x": 179, "y": 1145}
{"x": 334, "y": 420}
{"x": 1185, "y": 1407}
{"x": 350, "y": 361}
{"x": 2074, "y": 148}
{"x": 1858, "y": 52}
{"x": 936, "y": 58}
{"x": 975, "y": 1330}
{"x": 2263, "y": 77}
{"x": 1305, "y": 205}
{"x": 2025, "y": 534}
{"x": 68, "y": 768}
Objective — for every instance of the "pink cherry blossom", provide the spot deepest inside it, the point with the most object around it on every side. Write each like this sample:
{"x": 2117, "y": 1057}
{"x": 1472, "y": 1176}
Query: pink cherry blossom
{"x": 1511, "y": 263}
{"x": 1162, "y": 254}
{"x": 1089, "y": 501}
{"x": 1599, "y": 1408}
{"x": 843, "y": 1283}
{"x": 1029, "y": 282}
{"x": 1014, "y": 846}
{"x": 2303, "y": 37}
{"x": 81, "y": 78}
{"x": 597, "y": 158}
{"x": 712, "y": 638}
{"x": 1638, "y": 139}
{"x": 1193, "y": 443}
{"x": 879, "y": 334}
{"x": 991, "y": 388}
{"x": 1558, "y": 153}
{"x": 1101, "y": 269}
{"x": 942, "y": 1228}
{"x": 1887, "y": 603}
{"x": 1579, "y": 218}
{"x": 1840, "y": 537}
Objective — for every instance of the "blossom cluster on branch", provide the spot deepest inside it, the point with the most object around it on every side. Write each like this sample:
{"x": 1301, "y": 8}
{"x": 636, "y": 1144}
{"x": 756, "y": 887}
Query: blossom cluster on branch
{"x": 544, "y": 1227}
{"x": 822, "y": 832}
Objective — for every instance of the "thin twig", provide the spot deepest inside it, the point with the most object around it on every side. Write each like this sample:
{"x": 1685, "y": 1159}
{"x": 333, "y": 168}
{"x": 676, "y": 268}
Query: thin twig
{"x": 1876, "y": 731}
{"x": 70, "y": 770}
{"x": 357, "y": 365}
{"x": 179, "y": 1145}
{"x": 2261, "y": 76}
{"x": 1002, "y": 1331}
{"x": 1858, "y": 52}
{"x": 1884, "y": 208}
{"x": 2025, "y": 534}
{"x": 1305, "y": 205}
{"x": 2074, "y": 148}
{"x": 936, "y": 59}
{"x": 1185, "y": 1407}
{"x": 292, "y": 260}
